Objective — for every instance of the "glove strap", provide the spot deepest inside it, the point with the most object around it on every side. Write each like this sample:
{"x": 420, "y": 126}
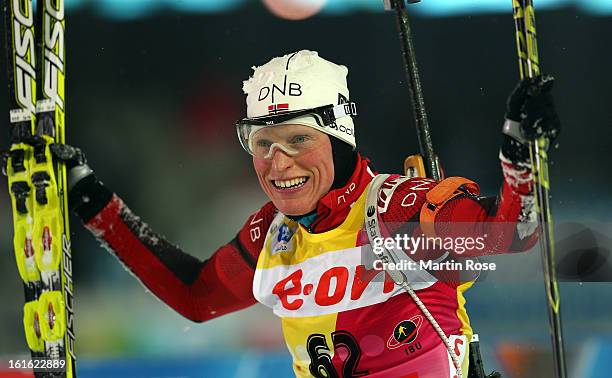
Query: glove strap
{"x": 78, "y": 173}
{"x": 513, "y": 129}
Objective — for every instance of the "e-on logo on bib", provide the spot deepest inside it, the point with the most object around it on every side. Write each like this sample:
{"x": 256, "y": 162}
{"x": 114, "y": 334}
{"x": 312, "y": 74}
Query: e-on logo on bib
{"x": 405, "y": 332}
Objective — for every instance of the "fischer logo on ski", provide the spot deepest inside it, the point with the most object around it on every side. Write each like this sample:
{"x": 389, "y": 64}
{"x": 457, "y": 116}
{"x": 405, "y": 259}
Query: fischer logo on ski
{"x": 23, "y": 41}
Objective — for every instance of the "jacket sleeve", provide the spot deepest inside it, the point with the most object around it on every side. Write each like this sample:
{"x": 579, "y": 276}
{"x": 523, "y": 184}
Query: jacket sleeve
{"x": 198, "y": 290}
{"x": 504, "y": 223}
{"x": 507, "y": 222}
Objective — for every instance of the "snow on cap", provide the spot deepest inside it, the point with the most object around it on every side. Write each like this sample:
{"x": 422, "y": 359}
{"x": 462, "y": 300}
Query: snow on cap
{"x": 298, "y": 81}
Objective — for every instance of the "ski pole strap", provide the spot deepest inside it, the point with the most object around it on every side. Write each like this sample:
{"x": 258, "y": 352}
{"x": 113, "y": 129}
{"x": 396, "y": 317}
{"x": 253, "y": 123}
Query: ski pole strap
{"x": 513, "y": 129}
{"x": 419, "y": 279}
{"x": 77, "y": 174}
{"x": 373, "y": 227}
{"x": 393, "y": 255}
{"x": 439, "y": 195}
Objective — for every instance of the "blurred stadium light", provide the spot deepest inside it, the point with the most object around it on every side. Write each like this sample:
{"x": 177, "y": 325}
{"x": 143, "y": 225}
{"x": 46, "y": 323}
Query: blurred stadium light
{"x": 599, "y": 7}
{"x": 122, "y": 9}
{"x": 129, "y": 9}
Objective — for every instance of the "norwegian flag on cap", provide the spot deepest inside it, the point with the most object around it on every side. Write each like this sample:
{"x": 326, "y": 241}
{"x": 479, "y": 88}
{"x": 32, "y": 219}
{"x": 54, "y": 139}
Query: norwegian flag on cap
{"x": 301, "y": 80}
{"x": 278, "y": 108}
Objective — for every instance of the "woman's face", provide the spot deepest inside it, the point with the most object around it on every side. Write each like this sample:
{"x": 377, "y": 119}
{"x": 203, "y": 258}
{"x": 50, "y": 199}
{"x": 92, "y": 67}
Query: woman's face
{"x": 298, "y": 168}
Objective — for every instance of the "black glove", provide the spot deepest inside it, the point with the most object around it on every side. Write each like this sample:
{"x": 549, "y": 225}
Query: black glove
{"x": 530, "y": 114}
{"x": 86, "y": 194}
{"x": 76, "y": 163}
{"x": 72, "y": 156}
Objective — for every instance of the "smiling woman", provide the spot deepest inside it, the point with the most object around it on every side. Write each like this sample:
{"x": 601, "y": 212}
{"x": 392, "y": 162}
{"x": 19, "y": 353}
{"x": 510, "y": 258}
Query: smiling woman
{"x": 305, "y": 253}
{"x": 297, "y": 168}
{"x": 295, "y": 103}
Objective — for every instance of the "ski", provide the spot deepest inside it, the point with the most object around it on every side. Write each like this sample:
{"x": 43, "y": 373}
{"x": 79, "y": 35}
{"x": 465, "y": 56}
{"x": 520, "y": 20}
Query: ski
{"x": 529, "y": 66}
{"x": 36, "y": 51}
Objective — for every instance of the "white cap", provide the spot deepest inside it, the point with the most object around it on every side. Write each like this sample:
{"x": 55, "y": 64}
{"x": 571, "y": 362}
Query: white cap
{"x": 298, "y": 81}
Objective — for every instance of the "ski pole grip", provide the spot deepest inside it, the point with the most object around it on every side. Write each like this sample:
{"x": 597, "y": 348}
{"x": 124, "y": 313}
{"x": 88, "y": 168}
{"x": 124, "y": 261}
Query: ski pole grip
{"x": 414, "y": 167}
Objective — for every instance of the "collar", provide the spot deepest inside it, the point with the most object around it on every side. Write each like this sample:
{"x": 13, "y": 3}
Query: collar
{"x": 333, "y": 207}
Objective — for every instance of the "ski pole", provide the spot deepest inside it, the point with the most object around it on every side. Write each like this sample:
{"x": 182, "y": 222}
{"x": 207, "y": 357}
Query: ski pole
{"x": 430, "y": 161}
{"x": 432, "y": 168}
{"x": 524, "y": 21}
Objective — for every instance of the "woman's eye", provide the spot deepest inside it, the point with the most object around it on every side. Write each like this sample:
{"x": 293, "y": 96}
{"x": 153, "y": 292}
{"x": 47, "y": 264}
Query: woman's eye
{"x": 263, "y": 143}
{"x": 299, "y": 139}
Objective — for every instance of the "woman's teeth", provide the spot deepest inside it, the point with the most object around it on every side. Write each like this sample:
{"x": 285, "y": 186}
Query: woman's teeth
{"x": 293, "y": 183}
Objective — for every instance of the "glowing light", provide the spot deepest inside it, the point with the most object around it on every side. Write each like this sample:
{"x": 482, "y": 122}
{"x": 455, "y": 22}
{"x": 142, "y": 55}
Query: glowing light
{"x": 294, "y": 9}
{"x": 442, "y": 7}
{"x": 123, "y": 9}
{"x": 343, "y": 6}
{"x": 128, "y": 9}
{"x": 207, "y": 6}
{"x": 596, "y": 6}
{"x": 457, "y": 7}
{"x": 300, "y": 9}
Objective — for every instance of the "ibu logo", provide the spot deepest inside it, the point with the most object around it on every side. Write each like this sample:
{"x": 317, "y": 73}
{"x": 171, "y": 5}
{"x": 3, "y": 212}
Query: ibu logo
{"x": 405, "y": 332}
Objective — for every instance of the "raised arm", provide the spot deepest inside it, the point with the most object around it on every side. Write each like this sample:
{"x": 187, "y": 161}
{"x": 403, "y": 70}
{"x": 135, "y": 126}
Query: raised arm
{"x": 198, "y": 290}
{"x": 510, "y": 218}
{"x": 454, "y": 208}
